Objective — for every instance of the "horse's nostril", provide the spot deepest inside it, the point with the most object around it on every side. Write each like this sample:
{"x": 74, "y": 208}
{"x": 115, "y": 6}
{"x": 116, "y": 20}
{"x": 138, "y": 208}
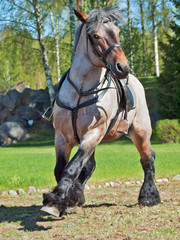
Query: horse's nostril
{"x": 119, "y": 68}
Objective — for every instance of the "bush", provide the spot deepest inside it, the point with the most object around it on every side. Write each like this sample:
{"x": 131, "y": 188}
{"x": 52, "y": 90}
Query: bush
{"x": 167, "y": 130}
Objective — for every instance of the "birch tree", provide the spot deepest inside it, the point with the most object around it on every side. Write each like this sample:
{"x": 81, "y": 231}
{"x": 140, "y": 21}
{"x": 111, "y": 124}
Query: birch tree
{"x": 55, "y": 28}
{"x": 72, "y": 25}
{"x": 143, "y": 37}
{"x": 130, "y": 35}
{"x": 153, "y": 11}
{"x": 43, "y": 49}
{"x": 26, "y": 14}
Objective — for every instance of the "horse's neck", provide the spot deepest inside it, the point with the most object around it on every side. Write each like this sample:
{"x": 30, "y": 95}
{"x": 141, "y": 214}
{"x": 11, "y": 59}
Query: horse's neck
{"x": 84, "y": 74}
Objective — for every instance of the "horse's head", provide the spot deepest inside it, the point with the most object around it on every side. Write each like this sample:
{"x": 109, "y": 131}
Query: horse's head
{"x": 104, "y": 48}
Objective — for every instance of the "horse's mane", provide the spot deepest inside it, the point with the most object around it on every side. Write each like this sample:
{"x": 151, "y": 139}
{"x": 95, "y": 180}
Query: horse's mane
{"x": 105, "y": 14}
{"x": 78, "y": 33}
{"x": 96, "y": 18}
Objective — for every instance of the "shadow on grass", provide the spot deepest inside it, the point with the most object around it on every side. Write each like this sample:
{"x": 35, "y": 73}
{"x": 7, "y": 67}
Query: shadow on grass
{"x": 99, "y": 205}
{"x": 27, "y": 217}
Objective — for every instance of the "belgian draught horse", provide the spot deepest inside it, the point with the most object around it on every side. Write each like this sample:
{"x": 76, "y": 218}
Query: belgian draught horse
{"x": 92, "y": 107}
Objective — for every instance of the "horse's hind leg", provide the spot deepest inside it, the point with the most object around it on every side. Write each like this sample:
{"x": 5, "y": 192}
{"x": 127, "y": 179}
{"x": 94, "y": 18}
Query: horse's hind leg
{"x": 149, "y": 194}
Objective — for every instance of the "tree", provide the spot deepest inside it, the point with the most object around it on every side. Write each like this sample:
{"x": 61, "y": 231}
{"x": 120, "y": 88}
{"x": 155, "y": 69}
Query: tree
{"x": 55, "y": 28}
{"x": 169, "y": 84}
{"x": 130, "y": 36}
{"x": 153, "y": 10}
{"x": 26, "y": 14}
{"x": 143, "y": 37}
{"x": 43, "y": 49}
{"x": 72, "y": 25}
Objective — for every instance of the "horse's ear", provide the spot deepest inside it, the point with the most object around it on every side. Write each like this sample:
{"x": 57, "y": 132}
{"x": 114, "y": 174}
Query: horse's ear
{"x": 81, "y": 16}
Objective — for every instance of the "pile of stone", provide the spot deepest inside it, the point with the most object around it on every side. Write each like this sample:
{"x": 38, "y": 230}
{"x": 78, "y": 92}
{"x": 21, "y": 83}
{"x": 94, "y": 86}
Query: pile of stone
{"x": 20, "y": 107}
{"x": 32, "y": 189}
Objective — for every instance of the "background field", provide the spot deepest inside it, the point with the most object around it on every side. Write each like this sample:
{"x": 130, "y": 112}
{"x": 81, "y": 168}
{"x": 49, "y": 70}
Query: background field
{"x": 32, "y": 163}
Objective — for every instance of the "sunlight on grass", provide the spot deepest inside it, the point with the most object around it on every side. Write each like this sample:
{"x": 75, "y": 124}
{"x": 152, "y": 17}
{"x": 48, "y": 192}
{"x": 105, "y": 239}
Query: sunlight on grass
{"x": 23, "y": 166}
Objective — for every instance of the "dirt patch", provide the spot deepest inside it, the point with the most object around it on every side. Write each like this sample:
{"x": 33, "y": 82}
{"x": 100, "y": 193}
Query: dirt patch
{"x": 109, "y": 213}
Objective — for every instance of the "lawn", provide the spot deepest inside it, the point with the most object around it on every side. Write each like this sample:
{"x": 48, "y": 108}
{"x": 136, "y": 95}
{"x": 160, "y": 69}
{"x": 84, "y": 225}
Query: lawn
{"x": 32, "y": 163}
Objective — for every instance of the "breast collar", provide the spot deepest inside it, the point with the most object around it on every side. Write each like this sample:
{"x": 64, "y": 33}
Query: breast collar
{"x": 98, "y": 92}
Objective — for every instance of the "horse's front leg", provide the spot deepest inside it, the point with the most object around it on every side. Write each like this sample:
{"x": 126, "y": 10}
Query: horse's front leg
{"x": 76, "y": 193}
{"x": 60, "y": 197}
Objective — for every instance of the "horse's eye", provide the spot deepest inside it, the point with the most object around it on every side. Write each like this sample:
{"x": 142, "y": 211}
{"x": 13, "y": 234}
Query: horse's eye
{"x": 96, "y": 36}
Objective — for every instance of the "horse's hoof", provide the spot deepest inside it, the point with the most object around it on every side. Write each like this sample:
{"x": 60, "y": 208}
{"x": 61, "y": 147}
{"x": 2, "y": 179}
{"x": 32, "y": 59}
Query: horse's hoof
{"x": 51, "y": 210}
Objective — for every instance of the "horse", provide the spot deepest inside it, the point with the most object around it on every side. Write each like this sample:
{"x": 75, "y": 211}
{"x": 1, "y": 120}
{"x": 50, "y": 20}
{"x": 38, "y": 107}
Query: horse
{"x": 90, "y": 109}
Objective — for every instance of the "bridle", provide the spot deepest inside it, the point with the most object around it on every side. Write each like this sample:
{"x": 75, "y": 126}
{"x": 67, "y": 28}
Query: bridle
{"x": 102, "y": 56}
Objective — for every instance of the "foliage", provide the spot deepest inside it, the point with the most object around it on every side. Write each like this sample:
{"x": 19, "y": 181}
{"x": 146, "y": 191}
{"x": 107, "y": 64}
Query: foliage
{"x": 167, "y": 131}
{"x": 20, "y": 56}
{"x": 169, "y": 81}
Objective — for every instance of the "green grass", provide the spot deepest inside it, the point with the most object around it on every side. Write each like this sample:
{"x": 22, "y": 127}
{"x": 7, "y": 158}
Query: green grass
{"x": 32, "y": 163}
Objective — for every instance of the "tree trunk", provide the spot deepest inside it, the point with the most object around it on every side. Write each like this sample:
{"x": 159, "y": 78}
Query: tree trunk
{"x": 143, "y": 38}
{"x": 56, "y": 33}
{"x": 130, "y": 37}
{"x": 72, "y": 26}
{"x": 155, "y": 38}
{"x": 43, "y": 50}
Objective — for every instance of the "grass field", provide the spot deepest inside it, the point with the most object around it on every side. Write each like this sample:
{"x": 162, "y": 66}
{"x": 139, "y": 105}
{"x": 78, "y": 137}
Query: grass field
{"x": 109, "y": 214}
{"x": 32, "y": 163}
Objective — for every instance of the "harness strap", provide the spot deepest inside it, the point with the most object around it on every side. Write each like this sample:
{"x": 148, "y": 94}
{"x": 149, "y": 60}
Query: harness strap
{"x": 84, "y": 104}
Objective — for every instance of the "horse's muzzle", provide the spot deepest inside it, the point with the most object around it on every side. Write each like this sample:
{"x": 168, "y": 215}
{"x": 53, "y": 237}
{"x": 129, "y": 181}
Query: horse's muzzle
{"x": 121, "y": 70}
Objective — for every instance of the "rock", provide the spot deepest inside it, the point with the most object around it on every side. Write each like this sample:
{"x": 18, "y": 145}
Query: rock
{"x": 92, "y": 187}
{"x": 21, "y": 192}
{"x": 12, "y": 193}
{"x": 119, "y": 182}
{"x": 10, "y": 100}
{"x": 13, "y": 130}
{"x": 112, "y": 184}
{"x": 17, "y": 119}
{"x": 128, "y": 183}
{"x": 31, "y": 190}
{"x": 177, "y": 177}
{"x": 87, "y": 187}
{"x": 20, "y": 87}
{"x": 28, "y": 113}
{"x": 4, "y": 193}
{"x": 1, "y": 100}
{"x": 35, "y": 99}
{"x": 159, "y": 180}
{"x": 165, "y": 180}
{"x": 2, "y": 137}
{"x": 4, "y": 115}
{"x": 106, "y": 184}
{"x": 138, "y": 182}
